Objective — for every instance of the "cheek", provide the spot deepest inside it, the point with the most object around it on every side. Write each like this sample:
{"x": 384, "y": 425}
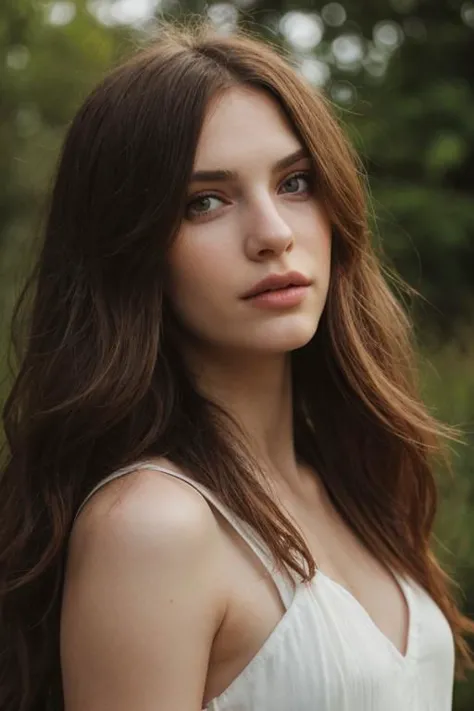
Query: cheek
{"x": 199, "y": 271}
{"x": 318, "y": 238}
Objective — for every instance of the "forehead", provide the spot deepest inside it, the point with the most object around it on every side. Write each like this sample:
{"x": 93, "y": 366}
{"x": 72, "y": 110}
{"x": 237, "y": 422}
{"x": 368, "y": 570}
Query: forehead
{"x": 241, "y": 124}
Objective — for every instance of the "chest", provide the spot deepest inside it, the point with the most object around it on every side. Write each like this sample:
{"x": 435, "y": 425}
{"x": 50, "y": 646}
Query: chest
{"x": 324, "y": 655}
{"x": 345, "y": 561}
{"x": 256, "y": 610}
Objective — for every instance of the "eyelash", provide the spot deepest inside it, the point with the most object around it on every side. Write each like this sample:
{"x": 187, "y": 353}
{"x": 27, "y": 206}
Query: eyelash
{"x": 307, "y": 174}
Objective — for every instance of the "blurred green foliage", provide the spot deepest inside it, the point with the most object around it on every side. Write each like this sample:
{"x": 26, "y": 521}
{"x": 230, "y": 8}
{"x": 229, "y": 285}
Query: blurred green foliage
{"x": 401, "y": 75}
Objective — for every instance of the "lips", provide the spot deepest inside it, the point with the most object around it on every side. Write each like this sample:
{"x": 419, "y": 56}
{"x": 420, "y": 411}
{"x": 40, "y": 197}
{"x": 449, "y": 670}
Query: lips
{"x": 274, "y": 282}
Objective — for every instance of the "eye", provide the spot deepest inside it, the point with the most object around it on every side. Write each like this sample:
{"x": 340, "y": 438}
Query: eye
{"x": 304, "y": 176}
{"x": 201, "y": 205}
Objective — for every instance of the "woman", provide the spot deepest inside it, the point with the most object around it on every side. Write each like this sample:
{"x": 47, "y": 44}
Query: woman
{"x": 219, "y": 491}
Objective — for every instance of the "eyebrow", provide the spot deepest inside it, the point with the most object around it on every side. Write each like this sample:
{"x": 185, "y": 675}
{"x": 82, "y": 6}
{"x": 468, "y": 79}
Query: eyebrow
{"x": 228, "y": 175}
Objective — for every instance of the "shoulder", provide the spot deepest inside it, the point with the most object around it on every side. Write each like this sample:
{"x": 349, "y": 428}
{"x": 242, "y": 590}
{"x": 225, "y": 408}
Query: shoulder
{"x": 143, "y": 597}
{"x": 146, "y": 509}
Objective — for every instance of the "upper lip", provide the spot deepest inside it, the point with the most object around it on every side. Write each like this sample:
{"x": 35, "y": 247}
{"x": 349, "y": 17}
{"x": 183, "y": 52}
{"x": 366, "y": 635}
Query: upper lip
{"x": 277, "y": 281}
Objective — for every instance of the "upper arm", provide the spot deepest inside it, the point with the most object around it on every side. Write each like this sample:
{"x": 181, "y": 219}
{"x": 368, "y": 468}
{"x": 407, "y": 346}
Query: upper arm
{"x": 142, "y": 600}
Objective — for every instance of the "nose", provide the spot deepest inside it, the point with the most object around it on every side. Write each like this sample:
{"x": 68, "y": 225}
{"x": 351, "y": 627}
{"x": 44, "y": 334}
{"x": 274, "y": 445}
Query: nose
{"x": 268, "y": 234}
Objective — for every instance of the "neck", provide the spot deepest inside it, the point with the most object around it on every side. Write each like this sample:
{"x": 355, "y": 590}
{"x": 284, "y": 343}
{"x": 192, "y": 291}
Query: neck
{"x": 257, "y": 392}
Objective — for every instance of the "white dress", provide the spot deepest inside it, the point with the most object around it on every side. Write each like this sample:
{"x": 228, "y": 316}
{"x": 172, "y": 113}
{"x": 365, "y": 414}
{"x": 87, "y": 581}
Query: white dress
{"x": 326, "y": 653}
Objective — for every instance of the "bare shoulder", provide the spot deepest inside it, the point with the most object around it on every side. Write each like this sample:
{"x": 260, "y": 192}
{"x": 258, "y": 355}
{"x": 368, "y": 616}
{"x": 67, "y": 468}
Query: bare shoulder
{"x": 143, "y": 597}
{"x": 146, "y": 508}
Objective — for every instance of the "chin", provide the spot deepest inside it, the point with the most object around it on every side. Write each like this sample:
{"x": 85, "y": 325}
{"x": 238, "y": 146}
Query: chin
{"x": 284, "y": 338}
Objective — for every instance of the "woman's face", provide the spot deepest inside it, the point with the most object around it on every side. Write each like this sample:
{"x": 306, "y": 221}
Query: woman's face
{"x": 251, "y": 220}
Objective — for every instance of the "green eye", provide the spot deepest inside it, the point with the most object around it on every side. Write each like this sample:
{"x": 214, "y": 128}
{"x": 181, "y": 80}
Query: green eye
{"x": 302, "y": 175}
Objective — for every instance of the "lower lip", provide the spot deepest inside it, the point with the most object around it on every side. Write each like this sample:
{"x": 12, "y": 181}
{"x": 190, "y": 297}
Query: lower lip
{"x": 280, "y": 298}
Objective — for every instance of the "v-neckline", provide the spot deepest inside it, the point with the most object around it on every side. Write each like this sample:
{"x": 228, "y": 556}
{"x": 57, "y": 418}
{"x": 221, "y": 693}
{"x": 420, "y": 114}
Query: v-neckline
{"x": 406, "y": 592}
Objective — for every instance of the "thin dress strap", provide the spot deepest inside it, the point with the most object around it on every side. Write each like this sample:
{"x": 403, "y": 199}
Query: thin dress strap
{"x": 284, "y": 585}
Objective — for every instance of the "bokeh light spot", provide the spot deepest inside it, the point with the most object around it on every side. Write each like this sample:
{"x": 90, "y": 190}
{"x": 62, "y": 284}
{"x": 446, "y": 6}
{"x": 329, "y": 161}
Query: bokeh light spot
{"x": 348, "y": 49}
{"x": 343, "y": 93}
{"x": 224, "y": 16}
{"x": 334, "y": 14}
{"x": 303, "y": 30}
{"x": 467, "y": 14}
{"x": 315, "y": 71}
{"x": 18, "y": 57}
{"x": 60, "y": 13}
{"x": 388, "y": 34}
{"x": 123, "y": 12}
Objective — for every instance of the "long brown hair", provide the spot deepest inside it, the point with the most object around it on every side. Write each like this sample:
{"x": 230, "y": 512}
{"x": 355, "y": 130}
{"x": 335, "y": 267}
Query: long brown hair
{"x": 101, "y": 383}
